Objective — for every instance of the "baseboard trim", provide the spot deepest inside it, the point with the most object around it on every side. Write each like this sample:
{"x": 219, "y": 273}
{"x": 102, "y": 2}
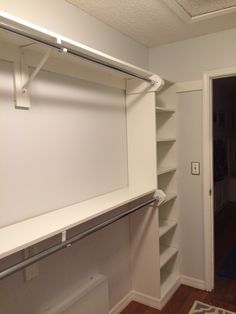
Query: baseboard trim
{"x": 193, "y": 282}
{"x": 146, "y": 300}
{"x": 121, "y": 305}
{"x": 138, "y": 297}
{"x": 156, "y": 302}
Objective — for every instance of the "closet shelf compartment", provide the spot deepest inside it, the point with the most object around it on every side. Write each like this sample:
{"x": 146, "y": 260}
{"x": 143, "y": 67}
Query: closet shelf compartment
{"x": 166, "y": 253}
{"x": 169, "y": 197}
{"x": 18, "y": 236}
{"x": 164, "y": 110}
{"x": 166, "y": 139}
{"x": 165, "y": 226}
{"x": 169, "y": 284}
{"x": 164, "y": 170}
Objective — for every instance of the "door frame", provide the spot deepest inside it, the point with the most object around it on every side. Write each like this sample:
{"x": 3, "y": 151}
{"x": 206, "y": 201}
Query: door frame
{"x": 208, "y": 186}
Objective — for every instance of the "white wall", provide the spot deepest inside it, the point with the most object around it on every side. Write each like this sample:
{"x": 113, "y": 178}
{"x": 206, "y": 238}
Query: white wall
{"x": 73, "y": 137}
{"x": 53, "y": 155}
{"x": 186, "y": 60}
{"x": 190, "y": 192}
{"x": 65, "y": 19}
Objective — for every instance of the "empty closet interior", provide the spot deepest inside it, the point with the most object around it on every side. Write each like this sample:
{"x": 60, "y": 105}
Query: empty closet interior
{"x": 83, "y": 143}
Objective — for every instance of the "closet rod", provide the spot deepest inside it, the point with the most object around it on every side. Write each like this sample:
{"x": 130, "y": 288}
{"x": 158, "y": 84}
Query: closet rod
{"x": 73, "y": 52}
{"x": 37, "y": 257}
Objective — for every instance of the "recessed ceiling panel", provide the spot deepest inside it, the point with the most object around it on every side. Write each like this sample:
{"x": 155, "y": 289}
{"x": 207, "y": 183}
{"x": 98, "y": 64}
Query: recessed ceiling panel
{"x": 195, "y": 8}
{"x": 157, "y": 22}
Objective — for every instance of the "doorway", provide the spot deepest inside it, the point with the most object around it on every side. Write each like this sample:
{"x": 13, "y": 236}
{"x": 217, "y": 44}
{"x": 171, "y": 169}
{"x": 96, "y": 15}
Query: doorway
{"x": 209, "y": 118}
{"x": 224, "y": 179}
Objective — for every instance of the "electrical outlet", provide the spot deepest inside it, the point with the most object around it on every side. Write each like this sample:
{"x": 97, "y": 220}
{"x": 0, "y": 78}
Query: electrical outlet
{"x": 195, "y": 168}
{"x": 32, "y": 271}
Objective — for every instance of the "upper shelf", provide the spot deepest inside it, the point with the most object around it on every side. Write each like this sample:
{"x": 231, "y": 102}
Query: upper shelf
{"x": 70, "y": 46}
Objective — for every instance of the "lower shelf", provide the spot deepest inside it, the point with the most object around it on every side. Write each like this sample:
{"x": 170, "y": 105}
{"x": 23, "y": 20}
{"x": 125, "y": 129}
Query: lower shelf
{"x": 169, "y": 283}
{"x": 18, "y": 236}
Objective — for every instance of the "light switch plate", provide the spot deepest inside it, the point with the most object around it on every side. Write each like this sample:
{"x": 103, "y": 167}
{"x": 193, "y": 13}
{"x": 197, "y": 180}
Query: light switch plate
{"x": 195, "y": 168}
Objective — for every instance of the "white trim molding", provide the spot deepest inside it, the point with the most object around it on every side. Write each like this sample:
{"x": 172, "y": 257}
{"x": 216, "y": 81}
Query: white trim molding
{"x": 193, "y": 282}
{"x": 147, "y": 300}
{"x": 137, "y": 297}
{"x": 189, "y": 86}
{"x": 208, "y": 171}
{"x": 122, "y": 304}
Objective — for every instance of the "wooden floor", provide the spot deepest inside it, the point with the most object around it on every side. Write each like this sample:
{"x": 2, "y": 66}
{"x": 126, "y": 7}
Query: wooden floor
{"x": 224, "y": 293}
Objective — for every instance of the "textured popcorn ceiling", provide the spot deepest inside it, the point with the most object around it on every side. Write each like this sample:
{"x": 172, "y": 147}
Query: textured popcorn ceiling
{"x": 199, "y": 7}
{"x": 153, "y": 22}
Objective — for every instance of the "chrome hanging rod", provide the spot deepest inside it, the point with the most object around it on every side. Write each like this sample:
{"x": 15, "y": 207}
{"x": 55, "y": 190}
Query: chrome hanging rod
{"x": 67, "y": 243}
{"x": 71, "y": 51}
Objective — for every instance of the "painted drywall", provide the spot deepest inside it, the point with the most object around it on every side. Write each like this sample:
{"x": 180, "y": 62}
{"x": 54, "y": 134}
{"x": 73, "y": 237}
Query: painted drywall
{"x": 65, "y": 19}
{"x": 72, "y": 118}
{"x": 186, "y": 60}
{"x": 72, "y": 138}
{"x": 190, "y": 192}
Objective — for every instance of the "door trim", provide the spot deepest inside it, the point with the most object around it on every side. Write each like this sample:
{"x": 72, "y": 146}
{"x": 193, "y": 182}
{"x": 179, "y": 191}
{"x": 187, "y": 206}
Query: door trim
{"x": 208, "y": 171}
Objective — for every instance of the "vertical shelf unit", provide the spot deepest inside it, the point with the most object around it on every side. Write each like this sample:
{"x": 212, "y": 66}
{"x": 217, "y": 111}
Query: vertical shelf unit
{"x": 166, "y": 102}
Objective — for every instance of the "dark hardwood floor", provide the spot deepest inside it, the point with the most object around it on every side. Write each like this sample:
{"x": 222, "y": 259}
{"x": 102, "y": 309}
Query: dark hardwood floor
{"x": 224, "y": 293}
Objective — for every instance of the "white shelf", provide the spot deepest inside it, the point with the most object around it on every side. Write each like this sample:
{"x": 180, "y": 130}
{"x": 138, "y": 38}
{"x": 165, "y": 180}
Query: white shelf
{"x": 169, "y": 197}
{"x": 165, "y": 226}
{"x": 164, "y": 110}
{"x": 169, "y": 283}
{"x": 164, "y": 170}
{"x": 166, "y": 139}
{"x": 69, "y": 43}
{"x": 16, "y": 237}
{"x": 166, "y": 253}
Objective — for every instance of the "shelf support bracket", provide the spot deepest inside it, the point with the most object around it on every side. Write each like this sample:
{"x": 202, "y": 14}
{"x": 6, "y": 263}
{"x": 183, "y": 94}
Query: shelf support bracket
{"x": 36, "y": 71}
{"x": 22, "y": 80}
{"x": 20, "y": 75}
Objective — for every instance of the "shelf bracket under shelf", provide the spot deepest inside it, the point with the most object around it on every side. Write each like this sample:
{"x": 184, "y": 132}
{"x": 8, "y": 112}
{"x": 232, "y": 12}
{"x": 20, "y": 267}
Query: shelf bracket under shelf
{"x": 22, "y": 79}
{"x": 36, "y": 71}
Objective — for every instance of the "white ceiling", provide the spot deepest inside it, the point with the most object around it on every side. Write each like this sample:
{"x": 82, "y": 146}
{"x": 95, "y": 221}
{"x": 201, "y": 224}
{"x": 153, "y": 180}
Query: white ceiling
{"x": 157, "y": 22}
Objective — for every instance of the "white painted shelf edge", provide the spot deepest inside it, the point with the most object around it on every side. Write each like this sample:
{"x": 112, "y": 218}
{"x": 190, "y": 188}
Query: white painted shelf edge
{"x": 164, "y": 170}
{"x": 167, "y": 252}
{"x": 170, "y": 196}
{"x": 25, "y": 25}
{"x": 16, "y": 237}
{"x": 165, "y": 226}
{"x": 166, "y": 139}
{"x": 164, "y": 110}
